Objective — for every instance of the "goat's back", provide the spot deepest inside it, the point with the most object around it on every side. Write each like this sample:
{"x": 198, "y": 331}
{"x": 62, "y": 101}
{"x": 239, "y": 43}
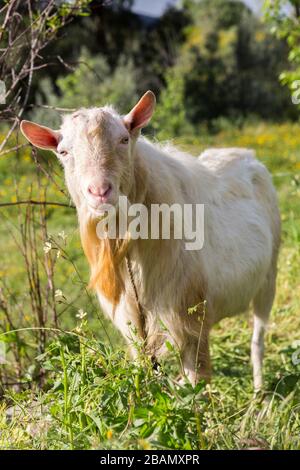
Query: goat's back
{"x": 242, "y": 228}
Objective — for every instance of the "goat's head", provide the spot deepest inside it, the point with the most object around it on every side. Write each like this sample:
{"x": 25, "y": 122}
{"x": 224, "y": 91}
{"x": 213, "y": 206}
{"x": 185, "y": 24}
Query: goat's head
{"x": 96, "y": 148}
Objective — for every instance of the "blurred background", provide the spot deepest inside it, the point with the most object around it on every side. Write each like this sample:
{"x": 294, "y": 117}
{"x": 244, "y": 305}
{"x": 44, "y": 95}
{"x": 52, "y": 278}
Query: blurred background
{"x": 208, "y": 62}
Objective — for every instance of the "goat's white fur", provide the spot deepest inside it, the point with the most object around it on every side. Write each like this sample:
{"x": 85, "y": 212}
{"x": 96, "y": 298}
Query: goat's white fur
{"x": 237, "y": 262}
{"x": 236, "y": 266}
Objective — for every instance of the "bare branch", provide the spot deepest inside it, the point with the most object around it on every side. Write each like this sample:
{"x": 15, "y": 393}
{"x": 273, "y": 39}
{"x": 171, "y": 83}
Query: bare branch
{"x": 26, "y": 28}
{"x": 56, "y": 108}
{"x": 37, "y": 203}
{"x": 13, "y": 149}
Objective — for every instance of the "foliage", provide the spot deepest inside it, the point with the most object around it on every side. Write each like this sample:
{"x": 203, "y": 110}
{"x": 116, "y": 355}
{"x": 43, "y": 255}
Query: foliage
{"x": 208, "y": 61}
{"x": 170, "y": 117}
{"x": 113, "y": 32}
{"x": 227, "y": 66}
{"x": 283, "y": 16}
{"x": 26, "y": 28}
{"x": 97, "y": 399}
{"x": 91, "y": 83}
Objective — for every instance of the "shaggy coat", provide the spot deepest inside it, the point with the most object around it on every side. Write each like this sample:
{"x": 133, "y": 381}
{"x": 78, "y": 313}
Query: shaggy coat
{"x": 237, "y": 264}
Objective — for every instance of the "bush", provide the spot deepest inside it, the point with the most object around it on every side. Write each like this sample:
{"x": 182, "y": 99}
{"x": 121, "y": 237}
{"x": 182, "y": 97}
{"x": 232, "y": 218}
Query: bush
{"x": 92, "y": 83}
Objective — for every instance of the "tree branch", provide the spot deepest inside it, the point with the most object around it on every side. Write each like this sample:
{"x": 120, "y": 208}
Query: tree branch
{"x": 37, "y": 203}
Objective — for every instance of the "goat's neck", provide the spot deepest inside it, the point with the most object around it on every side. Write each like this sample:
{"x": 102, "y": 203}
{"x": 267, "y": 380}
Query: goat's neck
{"x": 149, "y": 186}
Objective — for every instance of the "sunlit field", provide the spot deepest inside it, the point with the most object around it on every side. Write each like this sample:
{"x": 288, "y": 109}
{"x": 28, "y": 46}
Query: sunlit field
{"x": 66, "y": 381}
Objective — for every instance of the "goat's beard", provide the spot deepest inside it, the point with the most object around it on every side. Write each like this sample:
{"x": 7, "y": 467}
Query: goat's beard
{"x": 105, "y": 257}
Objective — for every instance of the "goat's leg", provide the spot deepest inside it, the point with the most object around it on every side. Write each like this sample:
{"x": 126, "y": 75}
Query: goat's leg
{"x": 196, "y": 359}
{"x": 126, "y": 318}
{"x": 262, "y": 304}
{"x": 257, "y": 350}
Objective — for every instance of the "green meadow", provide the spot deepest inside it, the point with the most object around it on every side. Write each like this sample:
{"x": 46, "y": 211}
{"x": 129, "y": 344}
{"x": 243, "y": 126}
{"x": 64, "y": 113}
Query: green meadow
{"x": 67, "y": 381}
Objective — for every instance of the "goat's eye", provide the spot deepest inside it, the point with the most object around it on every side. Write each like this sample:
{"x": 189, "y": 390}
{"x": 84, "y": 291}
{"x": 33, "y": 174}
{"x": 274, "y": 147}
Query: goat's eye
{"x": 63, "y": 153}
{"x": 124, "y": 140}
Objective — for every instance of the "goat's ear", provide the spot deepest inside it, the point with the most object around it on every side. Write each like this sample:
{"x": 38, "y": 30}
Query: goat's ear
{"x": 40, "y": 136}
{"x": 141, "y": 114}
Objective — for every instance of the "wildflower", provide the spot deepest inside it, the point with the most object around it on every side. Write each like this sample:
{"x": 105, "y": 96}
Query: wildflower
{"x": 144, "y": 444}
{"x": 109, "y": 434}
{"x": 62, "y": 235}
{"x": 47, "y": 247}
{"x": 58, "y": 293}
{"x": 81, "y": 314}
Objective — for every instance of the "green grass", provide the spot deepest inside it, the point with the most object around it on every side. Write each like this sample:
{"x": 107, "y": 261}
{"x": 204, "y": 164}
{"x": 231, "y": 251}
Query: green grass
{"x": 92, "y": 396}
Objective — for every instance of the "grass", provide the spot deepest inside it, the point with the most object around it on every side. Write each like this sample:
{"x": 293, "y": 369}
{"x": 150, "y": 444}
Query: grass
{"x": 83, "y": 392}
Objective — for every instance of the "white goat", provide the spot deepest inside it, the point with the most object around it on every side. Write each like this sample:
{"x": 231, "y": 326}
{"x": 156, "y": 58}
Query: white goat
{"x": 104, "y": 156}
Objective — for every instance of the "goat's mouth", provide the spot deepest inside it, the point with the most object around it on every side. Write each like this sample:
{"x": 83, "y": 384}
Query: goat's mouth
{"x": 98, "y": 208}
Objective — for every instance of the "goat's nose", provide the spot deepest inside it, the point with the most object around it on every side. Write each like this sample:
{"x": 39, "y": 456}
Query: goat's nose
{"x": 100, "y": 190}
